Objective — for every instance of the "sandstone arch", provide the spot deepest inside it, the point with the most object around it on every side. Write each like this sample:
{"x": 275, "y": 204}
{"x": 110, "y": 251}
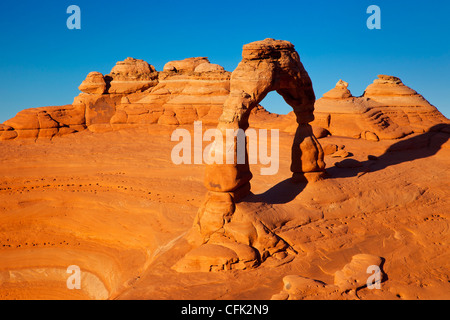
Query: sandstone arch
{"x": 229, "y": 235}
{"x": 268, "y": 65}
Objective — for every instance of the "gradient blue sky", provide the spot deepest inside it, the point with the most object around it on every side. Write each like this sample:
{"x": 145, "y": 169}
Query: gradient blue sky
{"x": 42, "y": 63}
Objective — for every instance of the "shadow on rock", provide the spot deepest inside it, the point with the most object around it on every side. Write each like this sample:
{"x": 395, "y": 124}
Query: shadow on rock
{"x": 418, "y": 147}
{"x": 283, "y": 192}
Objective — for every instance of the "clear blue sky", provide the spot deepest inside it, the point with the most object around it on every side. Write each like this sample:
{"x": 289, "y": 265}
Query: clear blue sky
{"x": 42, "y": 63}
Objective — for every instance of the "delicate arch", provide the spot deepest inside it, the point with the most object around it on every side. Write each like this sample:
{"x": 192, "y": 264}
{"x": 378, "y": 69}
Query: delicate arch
{"x": 268, "y": 65}
{"x": 224, "y": 237}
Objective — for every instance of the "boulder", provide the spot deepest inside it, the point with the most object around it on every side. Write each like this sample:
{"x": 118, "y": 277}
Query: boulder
{"x": 320, "y": 132}
{"x": 341, "y": 153}
{"x": 355, "y": 274}
{"x": 208, "y": 67}
{"x": 131, "y": 75}
{"x": 329, "y": 148}
{"x": 24, "y": 120}
{"x": 94, "y": 83}
{"x": 186, "y": 65}
{"x": 340, "y": 91}
{"x": 46, "y": 122}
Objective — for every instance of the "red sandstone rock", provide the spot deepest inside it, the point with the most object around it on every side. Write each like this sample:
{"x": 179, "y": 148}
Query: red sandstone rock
{"x": 192, "y": 89}
{"x": 354, "y": 275}
{"x": 339, "y": 92}
{"x": 351, "y": 277}
{"x": 206, "y": 258}
{"x": 404, "y": 106}
{"x": 182, "y": 97}
{"x": 46, "y": 122}
{"x": 186, "y": 65}
{"x": 94, "y": 83}
{"x": 266, "y": 65}
{"x": 131, "y": 75}
{"x": 208, "y": 67}
{"x": 82, "y": 181}
{"x": 7, "y": 132}
{"x": 387, "y": 110}
{"x": 329, "y": 148}
{"x": 99, "y": 109}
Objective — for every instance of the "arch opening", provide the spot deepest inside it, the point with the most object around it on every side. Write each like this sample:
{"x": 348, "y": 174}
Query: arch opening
{"x": 274, "y": 103}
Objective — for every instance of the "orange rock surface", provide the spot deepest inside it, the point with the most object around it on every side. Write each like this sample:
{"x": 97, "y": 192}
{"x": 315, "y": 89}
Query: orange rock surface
{"x": 193, "y": 89}
{"x": 92, "y": 185}
{"x": 114, "y": 204}
{"x": 132, "y": 94}
{"x": 387, "y": 110}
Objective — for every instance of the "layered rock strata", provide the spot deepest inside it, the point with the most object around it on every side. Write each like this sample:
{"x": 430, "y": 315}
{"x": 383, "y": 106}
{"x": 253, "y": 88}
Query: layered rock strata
{"x": 387, "y": 110}
{"x": 225, "y": 234}
{"x": 132, "y": 94}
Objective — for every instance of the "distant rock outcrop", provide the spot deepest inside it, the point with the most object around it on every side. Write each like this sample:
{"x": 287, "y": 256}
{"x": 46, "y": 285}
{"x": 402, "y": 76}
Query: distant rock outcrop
{"x": 402, "y": 104}
{"x": 131, "y": 75}
{"x": 181, "y": 96}
{"x": 387, "y": 110}
{"x": 135, "y": 94}
{"x": 186, "y": 65}
{"x": 132, "y": 94}
{"x": 339, "y": 92}
{"x": 94, "y": 83}
{"x": 45, "y": 122}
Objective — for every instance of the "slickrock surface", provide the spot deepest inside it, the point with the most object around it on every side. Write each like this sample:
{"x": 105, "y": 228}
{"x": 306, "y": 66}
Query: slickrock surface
{"x": 114, "y": 204}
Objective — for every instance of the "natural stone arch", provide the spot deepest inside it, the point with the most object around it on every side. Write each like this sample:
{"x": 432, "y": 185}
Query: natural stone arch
{"x": 268, "y": 65}
{"x": 226, "y": 235}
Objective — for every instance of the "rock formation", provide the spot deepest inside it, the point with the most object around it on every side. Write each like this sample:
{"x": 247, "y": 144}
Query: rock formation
{"x": 226, "y": 235}
{"x": 130, "y": 76}
{"x": 132, "y": 94}
{"x": 135, "y": 94}
{"x": 403, "y": 105}
{"x": 186, "y": 65}
{"x": 387, "y": 110}
{"x": 94, "y": 83}
{"x": 351, "y": 278}
{"x": 117, "y": 207}
{"x": 181, "y": 96}
{"x": 267, "y": 66}
{"x": 339, "y": 92}
{"x": 45, "y": 122}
